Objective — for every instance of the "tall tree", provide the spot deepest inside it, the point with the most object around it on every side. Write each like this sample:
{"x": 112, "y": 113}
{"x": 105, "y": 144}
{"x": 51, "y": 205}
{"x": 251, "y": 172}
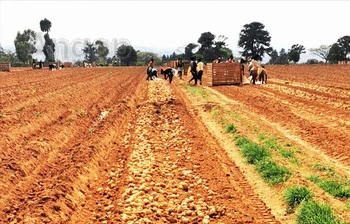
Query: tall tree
{"x": 45, "y": 25}
{"x": 220, "y": 47}
{"x": 344, "y": 44}
{"x": 144, "y": 57}
{"x": 335, "y": 54}
{"x": 295, "y": 52}
{"x": 254, "y": 40}
{"x": 25, "y": 45}
{"x": 102, "y": 52}
{"x": 322, "y": 51}
{"x": 90, "y": 52}
{"x": 273, "y": 57}
{"x": 189, "y": 50}
{"x": 206, "y": 49}
{"x": 7, "y": 56}
{"x": 282, "y": 58}
{"x": 49, "y": 46}
{"x": 126, "y": 55}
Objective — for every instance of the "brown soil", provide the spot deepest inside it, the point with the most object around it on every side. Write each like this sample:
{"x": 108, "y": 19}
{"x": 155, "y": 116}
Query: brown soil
{"x": 103, "y": 145}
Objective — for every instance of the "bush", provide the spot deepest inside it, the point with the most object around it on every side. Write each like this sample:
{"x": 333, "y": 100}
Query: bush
{"x": 295, "y": 195}
{"x": 230, "y": 128}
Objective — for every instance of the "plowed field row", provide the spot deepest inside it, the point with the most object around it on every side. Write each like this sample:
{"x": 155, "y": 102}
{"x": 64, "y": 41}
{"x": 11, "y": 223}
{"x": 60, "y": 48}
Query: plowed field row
{"x": 102, "y": 145}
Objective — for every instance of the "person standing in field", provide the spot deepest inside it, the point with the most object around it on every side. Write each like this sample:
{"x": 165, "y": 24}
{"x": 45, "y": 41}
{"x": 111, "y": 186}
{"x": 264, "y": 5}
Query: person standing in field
{"x": 193, "y": 69}
{"x": 200, "y": 68}
{"x": 180, "y": 67}
{"x": 230, "y": 59}
{"x": 149, "y": 68}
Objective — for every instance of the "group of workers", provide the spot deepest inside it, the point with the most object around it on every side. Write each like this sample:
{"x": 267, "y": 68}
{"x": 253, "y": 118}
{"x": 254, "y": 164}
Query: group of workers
{"x": 197, "y": 66}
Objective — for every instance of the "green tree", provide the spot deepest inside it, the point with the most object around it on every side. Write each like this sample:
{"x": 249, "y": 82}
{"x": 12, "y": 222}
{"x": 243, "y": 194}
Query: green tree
{"x": 273, "y": 57}
{"x": 321, "y": 52}
{"x": 7, "y": 56}
{"x": 102, "y": 52}
{"x": 295, "y": 52}
{"x": 144, "y": 57}
{"x": 206, "y": 40}
{"x": 206, "y": 49}
{"x": 25, "y": 45}
{"x": 254, "y": 40}
{"x": 126, "y": 55}
{"x": 344, "y": 44}
{"x": 282, "y": 58}
{"x": 189, "y": 50}
{"x": 49, "y": 46}
{"x": 90, "y": 52}
{"x": 220, "y": 48}
{"x": 45, "y": 25}
{"x": 335, "y": 54}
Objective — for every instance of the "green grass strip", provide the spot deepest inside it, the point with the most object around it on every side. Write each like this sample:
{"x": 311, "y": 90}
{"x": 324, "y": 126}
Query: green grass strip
{"x": 312, "y": 212}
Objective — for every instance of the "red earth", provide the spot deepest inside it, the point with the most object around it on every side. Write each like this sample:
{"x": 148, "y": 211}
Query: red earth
{"x": 103, "y": 145}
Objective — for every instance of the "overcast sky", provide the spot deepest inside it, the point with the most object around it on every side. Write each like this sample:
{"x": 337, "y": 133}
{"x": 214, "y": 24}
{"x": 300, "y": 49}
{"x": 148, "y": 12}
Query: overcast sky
{"x": 168, "y": 26}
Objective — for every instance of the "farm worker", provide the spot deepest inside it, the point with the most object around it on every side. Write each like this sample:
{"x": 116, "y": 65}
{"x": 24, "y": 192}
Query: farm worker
{"x": 200, "y": 68}
{"x": 180, "y": 67}
{"x": 193, "y": 66}
{"x": 149, "y": 68}
{"x": 230, "y": 59}
{"x": 253, "y": 65}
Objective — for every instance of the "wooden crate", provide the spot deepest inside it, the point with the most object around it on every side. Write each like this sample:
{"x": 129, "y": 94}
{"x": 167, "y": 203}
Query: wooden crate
{"x": 223, "y": 74}
{"x": 68, "y": 65}
{"x": 5, "y": 66}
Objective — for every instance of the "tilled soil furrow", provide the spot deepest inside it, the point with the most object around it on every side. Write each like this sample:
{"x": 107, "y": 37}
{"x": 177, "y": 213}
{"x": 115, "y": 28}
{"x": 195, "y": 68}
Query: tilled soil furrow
{"x": 309, "y": 128}
{"x": 57, "y": 168}
{"x": 168, "y": 178}
{"x": 49, "y": 134}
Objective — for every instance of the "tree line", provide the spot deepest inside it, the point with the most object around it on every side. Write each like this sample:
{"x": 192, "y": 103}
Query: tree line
{"x": 254, "y": 40}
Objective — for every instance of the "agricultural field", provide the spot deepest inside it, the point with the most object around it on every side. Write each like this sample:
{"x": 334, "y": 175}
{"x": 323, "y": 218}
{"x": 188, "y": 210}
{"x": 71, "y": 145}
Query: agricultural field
{"x": 103, "y": 145}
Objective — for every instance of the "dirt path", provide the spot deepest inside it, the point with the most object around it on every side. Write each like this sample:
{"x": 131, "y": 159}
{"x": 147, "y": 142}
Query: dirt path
{"x": 104, "y": 145}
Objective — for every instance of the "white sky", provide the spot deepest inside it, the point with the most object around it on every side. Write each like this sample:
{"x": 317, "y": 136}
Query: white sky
{"x": 165, "y": 26}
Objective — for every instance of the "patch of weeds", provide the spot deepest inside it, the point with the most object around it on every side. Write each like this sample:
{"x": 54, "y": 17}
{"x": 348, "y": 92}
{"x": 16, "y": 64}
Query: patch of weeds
{"x": 236, "y": 137}
{"x": 295, "y": 195}
{"x": 314, "y": 178}
{"x": 197, "y": 91}
{"x": 294, "y": 160}
{"x": 271, "y": 172}
{"x": 251, "y": 151}
{"x": 312, "y": 212}
{"x": 261, "y": 136}
{"x": 230, "y": 128}
{"x": 242, "y": 141}
{"x": 261, "y": 158}
{"x": 286, "y": 153}
{"x": 334, "y": 188}
{"x": 328, "y": 170}
{"x": 91, "y": 130}
{"x": 272, "y": 144}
